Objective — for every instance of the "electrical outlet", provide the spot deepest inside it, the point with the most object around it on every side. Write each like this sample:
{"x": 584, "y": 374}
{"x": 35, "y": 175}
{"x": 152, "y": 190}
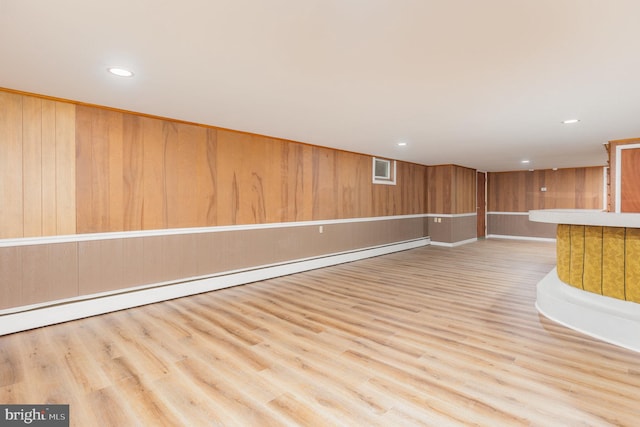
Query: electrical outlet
{"x": 321, "y": 229}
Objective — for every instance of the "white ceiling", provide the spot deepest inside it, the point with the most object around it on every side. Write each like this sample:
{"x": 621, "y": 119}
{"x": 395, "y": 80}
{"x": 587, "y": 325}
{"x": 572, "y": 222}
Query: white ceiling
{"x": 479, "y": 83}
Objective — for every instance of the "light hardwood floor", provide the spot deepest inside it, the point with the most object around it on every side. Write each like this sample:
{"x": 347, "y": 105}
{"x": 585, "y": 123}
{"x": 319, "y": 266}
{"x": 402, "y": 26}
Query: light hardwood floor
{"x": 432, "y": 336}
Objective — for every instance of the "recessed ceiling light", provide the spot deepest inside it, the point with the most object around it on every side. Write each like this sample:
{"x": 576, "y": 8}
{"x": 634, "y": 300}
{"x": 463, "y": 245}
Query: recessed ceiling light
{"x": 525, "y": 161}
{"x": 120, "y": 72}
{"x": 402, "y": 144}
{"x": 570, "y": 121}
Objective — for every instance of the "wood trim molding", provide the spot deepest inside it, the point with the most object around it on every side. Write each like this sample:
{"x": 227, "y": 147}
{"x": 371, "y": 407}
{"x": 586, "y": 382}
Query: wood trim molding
{"x": 29, "y": 241}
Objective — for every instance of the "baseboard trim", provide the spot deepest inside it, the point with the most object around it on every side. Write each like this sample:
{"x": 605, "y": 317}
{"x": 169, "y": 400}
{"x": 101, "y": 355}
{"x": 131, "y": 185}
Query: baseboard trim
{"x": 535, "y": 239}
{"x": 608, "y": 319}
{"x": 65, "y": 310}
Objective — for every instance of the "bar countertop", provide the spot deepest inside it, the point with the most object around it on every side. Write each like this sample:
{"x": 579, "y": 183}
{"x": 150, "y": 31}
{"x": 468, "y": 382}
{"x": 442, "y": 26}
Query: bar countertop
{"x": 586, "y": 217}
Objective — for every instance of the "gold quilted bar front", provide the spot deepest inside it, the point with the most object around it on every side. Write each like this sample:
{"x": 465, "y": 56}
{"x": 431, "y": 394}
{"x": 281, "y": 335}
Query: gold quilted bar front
{"x": 613, "y": 262}
{"x": 576, "y": 269}
{"x": 563, "y": 251}
{"x": 632, "y": 265}
{"x": 602, "y": 260}
{"x": 592, "y": 280}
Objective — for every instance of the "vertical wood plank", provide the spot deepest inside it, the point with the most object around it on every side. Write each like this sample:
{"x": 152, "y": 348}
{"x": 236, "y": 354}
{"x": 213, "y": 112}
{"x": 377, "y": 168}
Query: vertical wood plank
{"x": 251, "y": 181}
{"x": 346, "y": 177}
{"x": 154, "y": 212}
{"x": 410, "y": 181}
{"x": 227, "y": 184}
{"x": 189, "y": 137}
{"x": 540, "y": 196}
{"x": 84, "y": 178}
{"x": 481, "y": 199}
{"x": 492, "y": 179}
{"x": 172, "y": 163}
{"x": 580, "y": 198}
{"x": 99, "y": 221}
{"x": 274, "y": 192}
{"x": 11, "y": 180}
{"x": 287, "y": 185}
{"x": 206, "y": 174}
{"x": 295, "y": 180}
{"x": 49, "y": 209}
{"x": 32, "y": 165}
{"x": 570, "y": 182}
{"x": 324, "y": 184}
{"x": 516, "y": 194}
{"x": 66, "y": 182}
{"x": 440, "y": 189}
{"x": 465, "y": 190}
{"x": 115, "y": 195}
{"x": 551, "y": 196}
{"x": 448, "y": 193}
{"x": 132, "y": 172}
{"x": 531, "y": 192}
{"x": 363, "y": 184}
{"x": 304, "y": 186}
{"x": 594, "y": 181}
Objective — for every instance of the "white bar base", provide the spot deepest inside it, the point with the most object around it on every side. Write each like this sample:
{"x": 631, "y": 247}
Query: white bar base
{"x": 508, "y": 237}
{"x": 454, "y": 244}
{"x": 608, "y": 319}
{"x": 66, "y": 310}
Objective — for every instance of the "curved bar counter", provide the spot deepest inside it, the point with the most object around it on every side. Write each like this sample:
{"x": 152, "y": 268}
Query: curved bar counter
{"x": 595, "y": 287}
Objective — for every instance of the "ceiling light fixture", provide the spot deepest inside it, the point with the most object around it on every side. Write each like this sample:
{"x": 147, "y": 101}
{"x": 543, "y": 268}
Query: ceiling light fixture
{"x": 402, "y": 144}
{"x": 525, "y": 161}
{"x": 120, "y": 72}
{"x": 570, "y": 121}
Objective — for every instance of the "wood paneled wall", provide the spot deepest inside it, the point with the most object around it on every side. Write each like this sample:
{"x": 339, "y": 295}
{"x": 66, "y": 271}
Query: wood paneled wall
{"x": 630, "y": 189}
{"x": 140, "y": 173}
{"x": 570, "y": 188}
{"x": 67, "y": 168}
{"x": 37, "y": 166}
{"x": 451, "y": 189}
{"x": 630, "y": 180}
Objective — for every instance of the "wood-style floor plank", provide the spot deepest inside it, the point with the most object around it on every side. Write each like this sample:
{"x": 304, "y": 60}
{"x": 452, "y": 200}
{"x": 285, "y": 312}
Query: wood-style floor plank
{"x": 432, "y": 336}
